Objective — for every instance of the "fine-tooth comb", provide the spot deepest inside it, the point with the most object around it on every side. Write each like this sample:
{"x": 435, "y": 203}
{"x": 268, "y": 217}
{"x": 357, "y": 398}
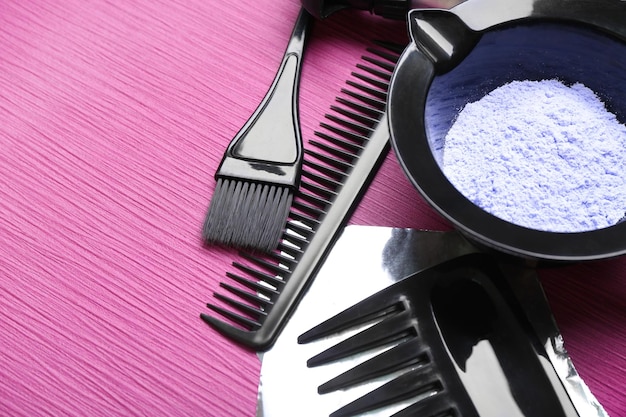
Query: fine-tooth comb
{"x": 337, "y": 168}
{"x": 457, "y": 344}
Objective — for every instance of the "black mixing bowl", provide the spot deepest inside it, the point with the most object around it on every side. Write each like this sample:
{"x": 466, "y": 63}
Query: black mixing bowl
{"x": 458, "y": 56}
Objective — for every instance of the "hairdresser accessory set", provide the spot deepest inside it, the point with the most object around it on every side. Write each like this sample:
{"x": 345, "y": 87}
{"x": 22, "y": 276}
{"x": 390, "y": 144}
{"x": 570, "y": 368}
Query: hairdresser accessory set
{"x": 450, "y": 310}
{"x": 336, "y": 172}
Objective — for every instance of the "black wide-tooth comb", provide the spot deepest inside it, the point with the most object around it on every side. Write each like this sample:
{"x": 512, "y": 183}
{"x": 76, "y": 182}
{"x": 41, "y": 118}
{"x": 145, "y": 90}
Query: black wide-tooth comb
{"x": 338, "y": 165}
{"x": 454, "y": 342}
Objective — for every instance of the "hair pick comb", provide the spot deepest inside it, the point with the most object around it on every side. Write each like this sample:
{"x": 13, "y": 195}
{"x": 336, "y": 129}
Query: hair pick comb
{"x": 459, "y": 345}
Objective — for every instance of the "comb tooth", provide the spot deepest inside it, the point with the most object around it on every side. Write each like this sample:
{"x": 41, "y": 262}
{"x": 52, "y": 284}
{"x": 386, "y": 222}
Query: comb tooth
{"x": 245, "y": 308}
{"x": 299, "y": 226}
{"x": 326, "y": 170}
{"x": 253, "y": 285}
{"x": 314, "y": 211}
{"x": 318, "y": 201}
{"x": 381, "y": 64}
{"x": 371, "y": 309}
{"x": 350, "y": 146}
{"x": 325, "y": 181}
{"x": 325, "y": 192}
{"x": 296, "y": 240}
{"x": 390, "y": 330}
{"x": 301, "y": 230}
{"x": 344, "y": 166}
{"x": 382, "y": 95}
{"x": 411, "y": 353}
{"x": 246, "y": 295}
{"x": 360, "y": 118}
{"x": 372, "y": 112}
{"x": 419, "y": 382}
{"x": 289, "y": 249}
{"x": 233, "y": 332}
{"x": 281, "y": 259}
{"x": 345, "y": 133}
{"x": 297, "y": 230}
{"x": 364, "y": 130}
{"x": 370, "y": 101}
{"x": 265, "y": 264}
{"x": 384, "y": 75}
{"x": 244, "y": 321}
{"x": 435, "y": 405}
{"x": 391, "y": 57}
{"x": 273, "y": 280}
{"x": 299, "y": 217}
{"x": 391, "y": 46}
{"x": 300, "y": 240}
{"x": 347, "y": 156}
{"x": 377, "y": 83}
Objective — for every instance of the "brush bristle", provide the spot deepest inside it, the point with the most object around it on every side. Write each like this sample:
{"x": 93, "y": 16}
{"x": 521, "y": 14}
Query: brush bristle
{"x": 247, "y": 215}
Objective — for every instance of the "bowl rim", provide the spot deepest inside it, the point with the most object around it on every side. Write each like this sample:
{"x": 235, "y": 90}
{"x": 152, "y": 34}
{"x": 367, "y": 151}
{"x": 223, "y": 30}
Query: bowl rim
{"x": 406, "y": 104}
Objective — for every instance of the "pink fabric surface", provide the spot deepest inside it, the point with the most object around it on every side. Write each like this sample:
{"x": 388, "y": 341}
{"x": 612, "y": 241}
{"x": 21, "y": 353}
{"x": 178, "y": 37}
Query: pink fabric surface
{"x": 113, "y": 118}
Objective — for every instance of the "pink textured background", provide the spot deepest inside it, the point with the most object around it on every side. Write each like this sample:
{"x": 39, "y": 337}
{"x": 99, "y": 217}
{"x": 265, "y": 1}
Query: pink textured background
{"x": 113, "y": 118}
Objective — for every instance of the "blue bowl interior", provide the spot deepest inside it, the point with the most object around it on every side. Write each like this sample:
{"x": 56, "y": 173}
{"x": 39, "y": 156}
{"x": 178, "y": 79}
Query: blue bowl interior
{"x": 542, "y": 50}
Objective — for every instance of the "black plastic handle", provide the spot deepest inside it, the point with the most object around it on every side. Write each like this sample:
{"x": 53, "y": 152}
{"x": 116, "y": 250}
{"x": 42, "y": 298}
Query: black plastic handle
{"x": 268, "y": 148}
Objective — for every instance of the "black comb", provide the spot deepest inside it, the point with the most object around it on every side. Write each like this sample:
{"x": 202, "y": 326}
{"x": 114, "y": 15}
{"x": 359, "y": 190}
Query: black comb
{"x": 457, "y": 343}
{"x": 338, "y": 165}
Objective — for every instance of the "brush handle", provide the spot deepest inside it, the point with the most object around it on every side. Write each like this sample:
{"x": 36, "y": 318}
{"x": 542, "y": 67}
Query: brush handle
{"x": 268, "y": 148}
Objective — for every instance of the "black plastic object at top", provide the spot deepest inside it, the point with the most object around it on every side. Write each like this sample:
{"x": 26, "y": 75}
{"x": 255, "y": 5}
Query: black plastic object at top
{"x": 391, "y": 9}
{"x": 458, "y": 56}
{"x": 459, "y": 338}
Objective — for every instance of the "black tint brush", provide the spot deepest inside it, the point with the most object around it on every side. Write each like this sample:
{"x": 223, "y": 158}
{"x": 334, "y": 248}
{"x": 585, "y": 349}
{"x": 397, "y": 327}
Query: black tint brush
{"x": 260, "y": 170}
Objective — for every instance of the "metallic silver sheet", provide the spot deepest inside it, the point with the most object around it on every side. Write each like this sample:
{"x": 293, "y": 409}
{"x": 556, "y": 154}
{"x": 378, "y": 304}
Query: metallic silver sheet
{"x": 365, "y": 260}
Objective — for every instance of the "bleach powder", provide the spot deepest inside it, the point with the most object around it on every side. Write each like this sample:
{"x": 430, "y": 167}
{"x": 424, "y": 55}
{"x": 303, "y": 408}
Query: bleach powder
{"x": 541, "y": 155}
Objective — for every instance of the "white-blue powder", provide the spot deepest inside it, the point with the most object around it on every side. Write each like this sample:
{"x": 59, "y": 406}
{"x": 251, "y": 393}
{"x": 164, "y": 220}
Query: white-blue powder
{"x": 542, "y": 155}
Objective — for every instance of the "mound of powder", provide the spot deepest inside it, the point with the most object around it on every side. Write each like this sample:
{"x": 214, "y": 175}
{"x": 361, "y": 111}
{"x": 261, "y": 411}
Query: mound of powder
{"x": 542, "y": 155}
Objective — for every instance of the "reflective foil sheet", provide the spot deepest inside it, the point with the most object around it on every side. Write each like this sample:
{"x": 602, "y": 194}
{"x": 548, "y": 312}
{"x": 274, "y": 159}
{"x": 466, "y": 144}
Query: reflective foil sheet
{"x": 364, "y": 261}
